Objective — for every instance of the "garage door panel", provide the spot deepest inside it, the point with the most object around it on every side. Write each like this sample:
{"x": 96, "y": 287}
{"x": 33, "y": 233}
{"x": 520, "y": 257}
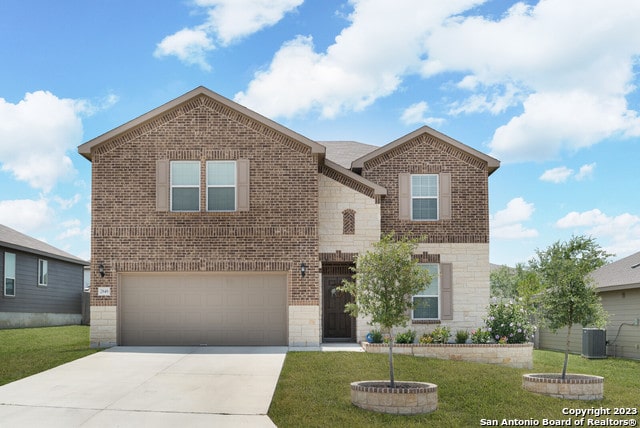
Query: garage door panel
{"x": 195, "y": 309}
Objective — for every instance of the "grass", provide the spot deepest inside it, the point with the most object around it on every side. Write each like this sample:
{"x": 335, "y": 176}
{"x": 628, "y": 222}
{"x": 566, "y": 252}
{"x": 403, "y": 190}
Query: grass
{"x": 28, "y": 351}
{"x": 313, "y": 390}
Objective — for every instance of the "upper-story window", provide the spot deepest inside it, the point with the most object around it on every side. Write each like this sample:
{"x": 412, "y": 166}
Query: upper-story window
{"x": 43, "y": 272}
{"x": 9, "y": 274}
{"x": 424, "y": 197}
{"x": 221, "y": 186}
{"x": 185, "y": 186}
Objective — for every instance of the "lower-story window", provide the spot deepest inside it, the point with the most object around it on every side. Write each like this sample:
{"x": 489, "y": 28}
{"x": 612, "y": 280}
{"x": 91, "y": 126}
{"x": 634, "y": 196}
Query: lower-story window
{"x": 43, "y": 272}
{"x": 9, "y": 274}
{"x": 427, "y": 302}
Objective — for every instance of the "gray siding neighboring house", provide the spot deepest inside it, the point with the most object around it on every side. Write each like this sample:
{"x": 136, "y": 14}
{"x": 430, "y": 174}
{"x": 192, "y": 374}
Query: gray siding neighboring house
{"x": 618, "y": 284}
{"x": 41, "y": 285}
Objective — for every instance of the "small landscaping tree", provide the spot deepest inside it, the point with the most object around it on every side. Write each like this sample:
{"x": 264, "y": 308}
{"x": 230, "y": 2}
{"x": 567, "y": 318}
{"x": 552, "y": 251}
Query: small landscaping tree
{"x": 569, "y": 296}
{"x": 386, "y": 277}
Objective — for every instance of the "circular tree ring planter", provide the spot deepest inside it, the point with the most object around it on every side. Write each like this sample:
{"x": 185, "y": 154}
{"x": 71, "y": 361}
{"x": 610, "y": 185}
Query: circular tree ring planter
{"x": 407, "y": 398}
{"x": 573, "y": 387}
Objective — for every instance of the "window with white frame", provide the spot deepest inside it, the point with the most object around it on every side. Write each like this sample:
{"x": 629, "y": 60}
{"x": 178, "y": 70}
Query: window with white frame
{"x": 43, "y": 272}
{"x": 427, "y": 302}
{"x": 221, "y": 185}
{"x": 424, "y": 197}
{"x": 9, "y": 274}
{"x": 185, "y": 186}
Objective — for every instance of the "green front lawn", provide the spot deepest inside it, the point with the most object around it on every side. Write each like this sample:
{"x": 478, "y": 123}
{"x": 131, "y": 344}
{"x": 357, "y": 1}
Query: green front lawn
{"x": 313, "y": 390}
{"x": 28, "y": 351}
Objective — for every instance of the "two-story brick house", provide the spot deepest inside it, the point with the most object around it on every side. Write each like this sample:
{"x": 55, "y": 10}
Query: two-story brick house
{"x": 214, "y": 225}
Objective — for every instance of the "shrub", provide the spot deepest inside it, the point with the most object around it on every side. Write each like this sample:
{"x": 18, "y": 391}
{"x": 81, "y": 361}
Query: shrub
{"x": 480, "y": 336}
{"x": 441, "y": 334}
{"x": 509, "y": 320}
{"x": 376, "y": 336}
{"x": 426, "y": 338}
{"x": 408, "y": 336}
{"x": 462, "y": 336}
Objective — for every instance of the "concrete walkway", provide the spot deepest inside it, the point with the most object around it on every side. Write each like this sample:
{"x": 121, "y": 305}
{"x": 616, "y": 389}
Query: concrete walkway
{"x": 149, "y": 387}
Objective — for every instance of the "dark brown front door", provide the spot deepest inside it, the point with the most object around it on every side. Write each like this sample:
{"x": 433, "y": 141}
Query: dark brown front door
{"x": 338, "y": 326}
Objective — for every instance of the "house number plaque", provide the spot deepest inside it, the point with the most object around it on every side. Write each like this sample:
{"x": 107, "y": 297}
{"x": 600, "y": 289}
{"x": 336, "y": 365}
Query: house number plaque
{"x": 104, "y": 291}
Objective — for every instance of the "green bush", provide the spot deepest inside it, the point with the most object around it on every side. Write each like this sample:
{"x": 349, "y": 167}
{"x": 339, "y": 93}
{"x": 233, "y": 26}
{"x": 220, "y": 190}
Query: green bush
{"x": 462, "y": 336}
{"x": 376, "y": 336}
{"x": 508, "y": 322}
{"x": 438, "y": 335}
{"x": 426, "y": 338}
{"x": 441, "y": 334}
{"x": 408, "y": 336}
{"x": 480, "y": 336}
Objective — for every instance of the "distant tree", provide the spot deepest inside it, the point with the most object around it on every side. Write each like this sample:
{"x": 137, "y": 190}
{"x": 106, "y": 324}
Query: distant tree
{"x": 502, "y": 282}
{"x": 569, "y": 296}
{"x": 520, "y": 282}
{"x": 385, "y": 280}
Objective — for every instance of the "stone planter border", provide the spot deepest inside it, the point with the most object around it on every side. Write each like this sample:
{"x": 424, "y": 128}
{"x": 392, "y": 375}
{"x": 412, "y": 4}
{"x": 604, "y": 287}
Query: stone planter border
{"x": 411, "y": 398}
{"x": 518, "y": 355}
{"x": 573, "y": 387}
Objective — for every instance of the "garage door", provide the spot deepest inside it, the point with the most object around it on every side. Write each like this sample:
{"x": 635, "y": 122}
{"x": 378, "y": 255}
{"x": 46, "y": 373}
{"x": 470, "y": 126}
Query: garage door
{"x": 203, "y": 309}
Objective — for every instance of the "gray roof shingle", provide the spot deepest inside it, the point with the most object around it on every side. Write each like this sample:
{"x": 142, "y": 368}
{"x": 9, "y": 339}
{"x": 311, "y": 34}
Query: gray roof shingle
{"x": 624, "y": 273}
{"x": 13, "y": 239}
{"x": 345, "y": 152}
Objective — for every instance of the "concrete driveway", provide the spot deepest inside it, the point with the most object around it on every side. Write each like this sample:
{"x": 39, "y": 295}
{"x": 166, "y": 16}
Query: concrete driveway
{"x": 149, "y": 387}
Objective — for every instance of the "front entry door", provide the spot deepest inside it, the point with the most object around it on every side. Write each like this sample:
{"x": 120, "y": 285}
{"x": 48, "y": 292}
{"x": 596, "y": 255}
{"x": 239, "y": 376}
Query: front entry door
{"x": 338, "y": 326}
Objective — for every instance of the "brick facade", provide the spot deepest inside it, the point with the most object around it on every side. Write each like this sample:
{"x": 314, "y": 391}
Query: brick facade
{"x": 276, "y": 234}
{"x": 469, "y": 190}
{"x": 303, "y": 208}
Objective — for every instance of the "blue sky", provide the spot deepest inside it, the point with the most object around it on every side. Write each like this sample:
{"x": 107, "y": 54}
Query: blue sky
{"x": 548, "y": 88}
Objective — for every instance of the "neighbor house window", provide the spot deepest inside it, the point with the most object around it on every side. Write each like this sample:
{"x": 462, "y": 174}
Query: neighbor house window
{"x": 43, "y": 272}
{"x": 185, "y": 186}
{"x": 9, "y": 274}
{"x": 424, "y": 197}
{"x": 427, "y": 302}
{"x": 221, "y": 186}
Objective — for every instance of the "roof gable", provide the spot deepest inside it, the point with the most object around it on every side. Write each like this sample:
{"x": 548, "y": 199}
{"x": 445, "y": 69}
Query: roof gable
{"x": 13, "y": 239}
{"x": 191, "y": 99}
{"x": 452, "y": 146}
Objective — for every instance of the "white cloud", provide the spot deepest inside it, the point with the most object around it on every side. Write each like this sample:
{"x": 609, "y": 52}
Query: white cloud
{"x": 617, "y": 234}
{"x": 36, "y": 135}
{"x": 573, "y": 76}
{"x": 227, "y": 21}
{"x": 190, "y": 46}
{"x": 557, "y": 122}
{"x": 234, "y": 19}
{"x": 561, "y": 174}
{"x": 26, "y": 215}
{"x": 65, "y": 204}
{"x": 587, "y": 218}
{"x": 416, "y": 114}
{"x": 507, "y": 223}
{"x": 348, "y": 76}
{"x": 586, "y": 171}
{"x": 557, "y": 175}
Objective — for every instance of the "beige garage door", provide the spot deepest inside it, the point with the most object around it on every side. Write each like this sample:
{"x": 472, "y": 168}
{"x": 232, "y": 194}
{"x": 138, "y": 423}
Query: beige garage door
{"x": 203, "y": 309}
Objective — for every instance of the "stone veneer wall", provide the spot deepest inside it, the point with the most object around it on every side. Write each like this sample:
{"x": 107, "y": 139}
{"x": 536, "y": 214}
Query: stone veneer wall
{"x": 304, "y": 326}
{"x": 334, "y": 198}
{"x": 470, "y": 276}
{"x": 103, "y": 326}
{"x": 517, "y": 355}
